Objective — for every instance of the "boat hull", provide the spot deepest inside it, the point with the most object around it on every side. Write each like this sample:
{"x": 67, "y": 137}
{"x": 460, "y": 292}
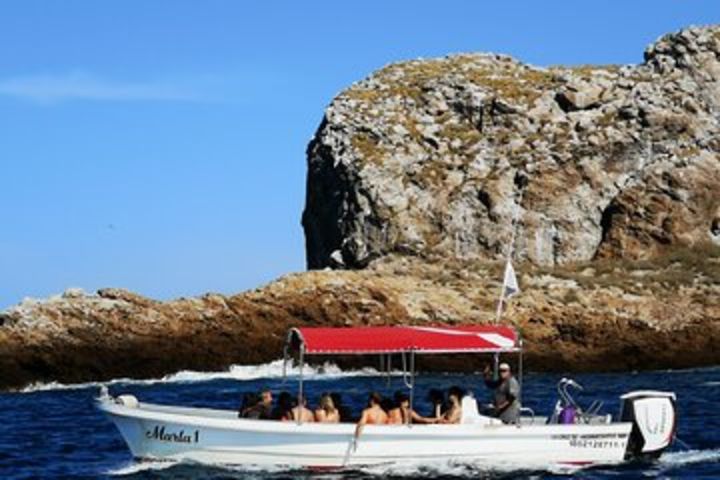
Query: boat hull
{"x": 218, "y": 437}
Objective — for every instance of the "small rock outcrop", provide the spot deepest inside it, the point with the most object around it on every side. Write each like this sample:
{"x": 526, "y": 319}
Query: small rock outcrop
{"x": 424, "y": 158}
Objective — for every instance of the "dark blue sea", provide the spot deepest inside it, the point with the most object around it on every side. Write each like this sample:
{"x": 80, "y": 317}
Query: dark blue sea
{"x": 53, "y": 431}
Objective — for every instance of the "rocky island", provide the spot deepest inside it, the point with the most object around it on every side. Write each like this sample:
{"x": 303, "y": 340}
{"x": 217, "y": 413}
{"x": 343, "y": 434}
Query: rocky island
{"x": 414, "y": 177}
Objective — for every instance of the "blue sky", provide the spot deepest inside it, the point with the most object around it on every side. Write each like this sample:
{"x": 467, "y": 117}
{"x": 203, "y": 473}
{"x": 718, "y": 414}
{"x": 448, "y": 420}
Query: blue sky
{"x": 159, "y": 145}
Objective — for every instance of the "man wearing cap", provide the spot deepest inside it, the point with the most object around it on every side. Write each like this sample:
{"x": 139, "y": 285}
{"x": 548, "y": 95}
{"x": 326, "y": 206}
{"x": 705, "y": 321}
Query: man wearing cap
{"x": 507, "y": 393}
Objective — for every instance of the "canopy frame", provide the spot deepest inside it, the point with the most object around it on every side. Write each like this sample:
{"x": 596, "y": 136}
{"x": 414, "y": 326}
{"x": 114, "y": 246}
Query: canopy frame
{"x": 295, "y": 339}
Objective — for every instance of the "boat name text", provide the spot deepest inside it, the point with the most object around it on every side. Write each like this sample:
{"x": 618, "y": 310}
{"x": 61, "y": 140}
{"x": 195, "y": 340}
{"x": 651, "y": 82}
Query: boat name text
{"x": 159, "y": 433}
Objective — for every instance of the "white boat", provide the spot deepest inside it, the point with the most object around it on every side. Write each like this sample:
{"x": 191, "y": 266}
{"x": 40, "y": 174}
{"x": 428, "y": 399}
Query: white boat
{"x": 644, "y": 427}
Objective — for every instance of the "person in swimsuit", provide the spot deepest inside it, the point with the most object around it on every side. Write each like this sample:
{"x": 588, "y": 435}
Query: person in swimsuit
{"x": 454, "y": 413}
{"x": 402, "y": 413}
{"x": 301, "y": 412}
{"x": 326, "y": 411}
{"x": 373, "y": 415}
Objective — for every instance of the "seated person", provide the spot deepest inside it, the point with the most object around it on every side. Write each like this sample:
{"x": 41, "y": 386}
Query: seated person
{"x": 437, "y": 400}
{"x": 345, "y": 415}
{"x": 326, "y": 411}
{"x": 373, "y": 414}
{"x": 265, "y": 406}
{"x": 402, "y": 413}
{"x": 248, "y": 408}
{"x": 387, "y": 404}
{"x": 284, "y": 407}
{"x": 301, "y": 412}
{"x": 454, "y": 412}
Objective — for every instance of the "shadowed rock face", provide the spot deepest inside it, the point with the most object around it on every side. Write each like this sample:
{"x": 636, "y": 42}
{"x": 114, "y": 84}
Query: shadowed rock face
{"x": 423, "y": 158}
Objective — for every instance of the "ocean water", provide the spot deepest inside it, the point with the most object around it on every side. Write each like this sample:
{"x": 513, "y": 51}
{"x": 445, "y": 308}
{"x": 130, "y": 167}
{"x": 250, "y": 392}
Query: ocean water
{"x": 53, "y": 431}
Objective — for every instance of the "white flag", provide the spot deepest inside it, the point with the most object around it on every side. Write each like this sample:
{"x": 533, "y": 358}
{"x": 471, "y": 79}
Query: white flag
{"x": 510, "y": 283}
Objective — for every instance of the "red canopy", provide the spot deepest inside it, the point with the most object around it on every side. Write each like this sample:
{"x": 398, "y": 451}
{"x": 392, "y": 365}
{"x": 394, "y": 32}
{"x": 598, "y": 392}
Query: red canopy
{"x": 370, "y": 340}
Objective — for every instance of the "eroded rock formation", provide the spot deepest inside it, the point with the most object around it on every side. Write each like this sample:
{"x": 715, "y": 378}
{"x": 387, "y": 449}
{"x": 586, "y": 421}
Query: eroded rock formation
{"x": 423, "y": 158}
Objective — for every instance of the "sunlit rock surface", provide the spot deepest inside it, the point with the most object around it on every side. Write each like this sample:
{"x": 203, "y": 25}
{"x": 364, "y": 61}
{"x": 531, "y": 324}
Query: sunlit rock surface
{"x": 423, "y": 158}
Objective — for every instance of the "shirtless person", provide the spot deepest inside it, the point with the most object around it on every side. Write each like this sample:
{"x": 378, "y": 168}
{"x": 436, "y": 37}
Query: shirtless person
{"x": 326, "y": 411}
{"x": 402, "y": 413}
{"x": 373, "y": 415}
{"x": 454, "y": 412}
{"x": 302, "y": 413}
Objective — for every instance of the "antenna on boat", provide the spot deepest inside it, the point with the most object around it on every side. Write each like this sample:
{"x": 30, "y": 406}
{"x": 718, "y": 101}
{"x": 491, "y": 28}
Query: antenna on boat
{"x": 510, "y": 285}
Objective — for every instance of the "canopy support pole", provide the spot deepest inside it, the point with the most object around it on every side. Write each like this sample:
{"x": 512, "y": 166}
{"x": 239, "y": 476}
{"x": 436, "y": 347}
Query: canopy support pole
{"x": 408, "y": 367}
{"x": 411, "y": 386}
{"x": 300, "y": 386}
{"x": 496, "y": 366}
{"x": 520, "y": 371}
{"x": 285, "y": 361}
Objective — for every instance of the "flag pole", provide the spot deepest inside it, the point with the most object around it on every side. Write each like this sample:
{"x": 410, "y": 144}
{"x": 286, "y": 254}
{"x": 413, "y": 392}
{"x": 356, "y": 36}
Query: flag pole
{"x": 513, "y": 233}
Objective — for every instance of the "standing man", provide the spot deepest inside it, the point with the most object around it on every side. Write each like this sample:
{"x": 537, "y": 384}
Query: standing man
{"x": 507, "y": 393}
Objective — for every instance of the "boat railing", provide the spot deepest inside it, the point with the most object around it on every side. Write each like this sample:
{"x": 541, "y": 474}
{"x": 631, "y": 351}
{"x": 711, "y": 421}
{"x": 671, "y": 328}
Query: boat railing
{"x": 530, "y": 413}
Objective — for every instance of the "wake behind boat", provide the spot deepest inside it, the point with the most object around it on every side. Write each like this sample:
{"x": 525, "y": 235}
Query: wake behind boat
{"x": 569, "y": 436}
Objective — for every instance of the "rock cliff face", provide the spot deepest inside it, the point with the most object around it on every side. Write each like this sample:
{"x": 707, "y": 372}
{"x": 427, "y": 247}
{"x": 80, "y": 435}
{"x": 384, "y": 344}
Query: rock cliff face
{"x": 413, "y": 178}
{"x": 428, "y": 158}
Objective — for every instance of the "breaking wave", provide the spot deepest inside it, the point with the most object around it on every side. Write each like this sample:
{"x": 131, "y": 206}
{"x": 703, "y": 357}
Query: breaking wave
{"x": 269, "y": 370}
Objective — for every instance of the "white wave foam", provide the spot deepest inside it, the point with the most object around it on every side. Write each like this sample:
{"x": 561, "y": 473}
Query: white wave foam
{"x": 463, "y": 468}
{"x": 429, "y": 469}
{"x": 432, "y": 469}
{"x": 138, "y": 467}
{"x": 690, "y": 456}
{"x": 273, "y": 369}
{"x": 710, "y": 384}
{"x": 269, "y": 370}
{"x": 47, "y": 386}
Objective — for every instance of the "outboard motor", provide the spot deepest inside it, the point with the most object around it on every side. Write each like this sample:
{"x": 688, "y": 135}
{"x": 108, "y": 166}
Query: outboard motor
{"x": 654, "y": 418}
